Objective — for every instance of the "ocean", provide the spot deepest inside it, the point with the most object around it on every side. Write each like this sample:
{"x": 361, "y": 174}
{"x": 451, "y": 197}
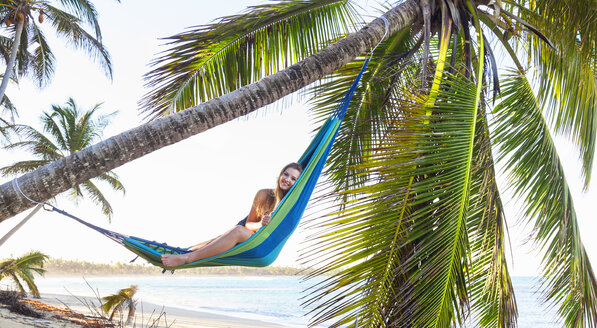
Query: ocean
{"x": 268, "y": 298}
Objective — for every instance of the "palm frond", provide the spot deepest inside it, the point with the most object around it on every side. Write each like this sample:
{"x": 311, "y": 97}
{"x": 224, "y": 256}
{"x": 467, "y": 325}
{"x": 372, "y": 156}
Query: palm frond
{"x": 42, "y": 59}
{"x": 67, "y": 26}
{"x": 211, "y": 60}
{"x": 112, "y": 179}
{"x": 17, "y": 282}
{"x": 55, "y": 126}
{"x": 114, "y": 303}
{"x": 86, "y": 11}
{"x": 353, "y": 243}
{"x": 493, "y": 303}
{"x": 4, "y": 129}
{"x": 5, "y": 44}
{"x": 537, "y": 176}
{"x": 98, "y": 198}
{"x": 443, "y": 183}
{"x": 387, "y": 286}
{"x": 35, "y": 142}
{"x": 389, "y": 70}
{"x": 23, "y": 167}
{"x": 6, "y": 105}
{"x": 566, "y": 77}
{"x": 27, "y": 277}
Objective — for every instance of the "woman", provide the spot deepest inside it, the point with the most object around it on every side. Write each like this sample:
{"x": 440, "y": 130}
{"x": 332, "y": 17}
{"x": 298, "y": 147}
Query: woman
{"x": 264, "y": 204}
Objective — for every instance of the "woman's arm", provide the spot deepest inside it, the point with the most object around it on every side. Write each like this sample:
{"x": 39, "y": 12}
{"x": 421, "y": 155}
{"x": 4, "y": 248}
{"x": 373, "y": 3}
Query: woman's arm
{"x": 254, "y": 221}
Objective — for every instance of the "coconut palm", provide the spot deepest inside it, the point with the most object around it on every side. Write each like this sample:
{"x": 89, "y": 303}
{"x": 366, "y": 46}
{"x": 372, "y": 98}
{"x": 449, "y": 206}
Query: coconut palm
{"x": 67, "y": 129}
{"x": 418, "y": 237}
{"x": 22, "y": 269}
{"x": 416, "y": 154}
{"x": 117, "y": 302}
{"x": 28, "y": 52}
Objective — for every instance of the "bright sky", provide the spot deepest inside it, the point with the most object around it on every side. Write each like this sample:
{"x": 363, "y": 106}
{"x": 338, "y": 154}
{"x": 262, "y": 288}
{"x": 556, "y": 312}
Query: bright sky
{"x": 198, "y": 188}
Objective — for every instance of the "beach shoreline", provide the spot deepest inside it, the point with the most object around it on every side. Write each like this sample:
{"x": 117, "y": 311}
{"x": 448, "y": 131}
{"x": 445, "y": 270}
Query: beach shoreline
{"x": 147, "y": 315}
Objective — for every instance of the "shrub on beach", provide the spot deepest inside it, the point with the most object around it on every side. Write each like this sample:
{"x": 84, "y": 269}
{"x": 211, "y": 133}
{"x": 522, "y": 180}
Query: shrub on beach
{"x": 12, "y": 300}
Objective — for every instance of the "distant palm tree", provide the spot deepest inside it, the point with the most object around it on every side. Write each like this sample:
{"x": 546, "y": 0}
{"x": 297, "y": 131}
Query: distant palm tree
{"x": 28, "y": 51}
{"x": 21, "y": 270}
{"x": 68, "y": 131}
{"x": 117, "y": 302}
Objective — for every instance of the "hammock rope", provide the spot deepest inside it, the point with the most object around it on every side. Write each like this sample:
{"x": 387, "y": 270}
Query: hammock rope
{"x": 263, "y": 247}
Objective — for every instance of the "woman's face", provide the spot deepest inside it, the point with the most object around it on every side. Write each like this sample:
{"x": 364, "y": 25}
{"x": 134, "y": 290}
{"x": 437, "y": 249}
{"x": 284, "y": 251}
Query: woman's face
{"x": 288, "y": 178}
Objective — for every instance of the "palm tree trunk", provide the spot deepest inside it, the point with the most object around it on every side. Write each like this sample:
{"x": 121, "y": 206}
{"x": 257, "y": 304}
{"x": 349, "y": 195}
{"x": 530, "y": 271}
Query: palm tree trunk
{"x": 132, "y": 309}
{"x": 61, "y": 175}
{"x": 13, "y": 56}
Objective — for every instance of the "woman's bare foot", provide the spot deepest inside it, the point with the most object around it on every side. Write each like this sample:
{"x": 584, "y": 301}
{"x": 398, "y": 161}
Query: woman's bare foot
{"x": 171, "y": 260}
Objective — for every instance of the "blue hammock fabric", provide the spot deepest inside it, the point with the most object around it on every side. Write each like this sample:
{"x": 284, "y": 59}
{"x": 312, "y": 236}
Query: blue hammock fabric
{"x": 265, "y": 245}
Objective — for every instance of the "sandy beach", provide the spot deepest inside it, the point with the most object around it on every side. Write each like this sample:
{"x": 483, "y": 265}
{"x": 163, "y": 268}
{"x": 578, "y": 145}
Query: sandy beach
{"x": 74, "y": 312}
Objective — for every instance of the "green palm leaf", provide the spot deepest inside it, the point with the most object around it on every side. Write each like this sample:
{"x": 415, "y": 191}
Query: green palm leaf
{"x": 41, "y": 60}
{"x": 98, "y": 198}
{"x": 23, "y": 167}
{"x": 389, "y": 279}
{"x": 36, "y": 143}
{"x": 426, "y": 284}
{"x": 116, "y": 302}
{"x": 366, "y": 117}
{"x": 566, "y": 77}
{"x": 535, "y": 172}
{"x": 67, "y": 26}
{"x": 209, "y": 61}
{"x": 492, "y": 294}
{"x": 440, "y": 262}
{"x": 22, "y": 269}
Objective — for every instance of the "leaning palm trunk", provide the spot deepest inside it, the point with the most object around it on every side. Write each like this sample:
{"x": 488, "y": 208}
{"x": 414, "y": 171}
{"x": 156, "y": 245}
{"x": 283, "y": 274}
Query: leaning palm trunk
{"x": 13, "y": 56}
{"x": 59, "y": 176}
{"x": 132, "y": 309}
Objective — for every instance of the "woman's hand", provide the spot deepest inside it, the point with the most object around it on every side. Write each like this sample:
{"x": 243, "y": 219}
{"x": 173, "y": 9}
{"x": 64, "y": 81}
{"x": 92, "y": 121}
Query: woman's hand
{"x": 266, "y": 220}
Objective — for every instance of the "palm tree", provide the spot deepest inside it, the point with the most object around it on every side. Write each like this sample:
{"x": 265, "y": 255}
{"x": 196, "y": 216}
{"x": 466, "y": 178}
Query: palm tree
{"x": 28, "y": 52}
{"x": 21, "y": 270}
{"x": 117, "y": 302}
{"x": 69, "y": 130}
{"x": 418, "y": 238}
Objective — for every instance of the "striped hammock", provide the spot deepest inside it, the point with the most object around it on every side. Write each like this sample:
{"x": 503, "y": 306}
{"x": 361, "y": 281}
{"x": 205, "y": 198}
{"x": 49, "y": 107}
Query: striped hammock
{"x": 264, "y": 245}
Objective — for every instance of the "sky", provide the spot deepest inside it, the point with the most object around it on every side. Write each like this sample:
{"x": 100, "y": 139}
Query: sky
{"x": 198, "y": 188}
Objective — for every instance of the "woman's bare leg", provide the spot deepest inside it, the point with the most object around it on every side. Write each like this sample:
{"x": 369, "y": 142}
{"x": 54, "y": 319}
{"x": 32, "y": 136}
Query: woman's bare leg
{"x": 231, "y": 238}
{"x": 202, "y": 244}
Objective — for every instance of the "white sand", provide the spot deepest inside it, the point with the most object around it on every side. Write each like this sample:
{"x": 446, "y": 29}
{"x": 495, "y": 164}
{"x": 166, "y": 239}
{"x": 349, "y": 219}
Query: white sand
{"x": 146, "y": 315}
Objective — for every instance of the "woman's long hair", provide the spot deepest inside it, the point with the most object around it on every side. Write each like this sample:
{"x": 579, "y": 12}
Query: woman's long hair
{"x": 274, "y": 196}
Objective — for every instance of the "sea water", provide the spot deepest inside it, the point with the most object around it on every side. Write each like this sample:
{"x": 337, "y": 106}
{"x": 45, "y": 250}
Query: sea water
{"x": 276, "y": 299}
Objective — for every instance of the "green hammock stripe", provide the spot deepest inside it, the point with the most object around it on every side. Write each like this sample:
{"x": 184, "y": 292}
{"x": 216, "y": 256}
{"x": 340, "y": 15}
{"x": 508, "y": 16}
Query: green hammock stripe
{"x": 265, "y": 245}
{"x": 285, "y": 205}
